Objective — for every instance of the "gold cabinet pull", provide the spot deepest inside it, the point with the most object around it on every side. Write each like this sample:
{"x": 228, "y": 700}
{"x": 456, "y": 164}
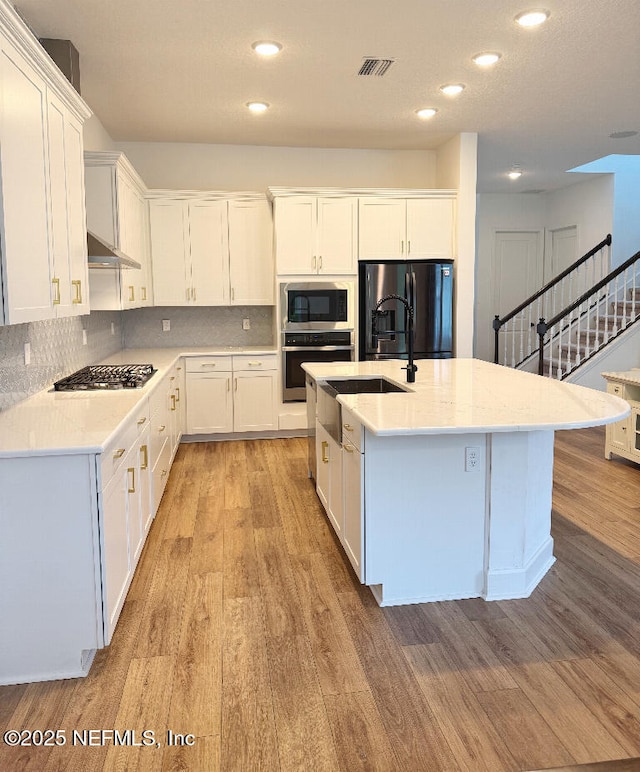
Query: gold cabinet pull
{"x": 254, "y": 364}
{"x": 132, "y": 479}
{"x": 56, "y": 286}
{"x": 188, "y": 293}
{"x": 141, "y": 420}
{"x": 177, "y": 394}
{"x": 208, "y": 364}
{"x": 163, "y": 473}
{"x": 408, "y": 247}
{"x": 144, "y": 452}
{"x": 325, "y": 445}
{"x": 195, "y": 297}
{"x": 77, "y": 285}
{"x": 143, "y": 291}
{"x": 235, "y": 384}
{"x": 348, "y": 427}
{"x": 161, "y": 428}
{"x": 348, "y": 448}
{"x": 173, "y": 401}
{"x": 233, "y": 293}
{"x": 119, "y": 453}
{"x": 314, "y": 262}
{"x": 320, "y": 263}
{"x": 132, "y": 293}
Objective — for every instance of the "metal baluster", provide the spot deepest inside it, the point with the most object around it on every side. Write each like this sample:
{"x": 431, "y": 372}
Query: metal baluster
{"x": 505, "y": 334}
{"x": 577, "y": 356}
{"x": 513, "y": 343}
{"x": 521, "y": 336}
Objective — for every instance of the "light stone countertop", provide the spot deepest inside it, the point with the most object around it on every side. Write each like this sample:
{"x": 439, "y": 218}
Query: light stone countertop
{"x": 459, "y": 396}
{"x": 61, "y": 423}
{"x": 629, "y": 376}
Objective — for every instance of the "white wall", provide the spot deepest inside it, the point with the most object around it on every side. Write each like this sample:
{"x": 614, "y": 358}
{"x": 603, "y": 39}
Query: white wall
{"x": 588, "y": 205}
{"x": 456, "y": 167}
{"x": 498, "y": 211}
{"x": 251, "y": 167}
{"x": 96, "y": 136}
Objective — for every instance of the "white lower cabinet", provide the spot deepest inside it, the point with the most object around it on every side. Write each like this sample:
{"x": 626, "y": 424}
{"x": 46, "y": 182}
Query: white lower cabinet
{"x": 230, "y": 394}
{"x": 353, "y": 506}
{"x": 339, "y": 484}
{"x": 623, "y": 437}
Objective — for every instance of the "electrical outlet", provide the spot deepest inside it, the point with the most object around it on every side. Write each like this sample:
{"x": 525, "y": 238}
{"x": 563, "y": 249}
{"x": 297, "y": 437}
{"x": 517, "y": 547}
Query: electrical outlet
{"x": 84, "y": 337}
{"x": 246, "y": 324}
{"x": 471, "y": 459}
{"x": 27, "y": 353}
{"x": 166, "y": 325}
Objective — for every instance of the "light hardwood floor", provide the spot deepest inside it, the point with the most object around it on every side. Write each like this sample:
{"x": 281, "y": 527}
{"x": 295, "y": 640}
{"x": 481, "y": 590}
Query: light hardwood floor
{"x": 245, "y": 627}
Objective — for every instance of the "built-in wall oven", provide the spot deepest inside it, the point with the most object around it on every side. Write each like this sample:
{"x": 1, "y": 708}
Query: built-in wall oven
{"x": 299, "y": 347}
{"x": 317, "y": 305}
{"x": 317, "y": 325}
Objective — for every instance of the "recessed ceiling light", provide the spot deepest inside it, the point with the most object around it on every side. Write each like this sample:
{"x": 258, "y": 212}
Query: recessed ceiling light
{"x": 426, "y": 112}
{"x": 532, "y": 18}
{"x": 451, "y": 89}
{"x": 267, "y": 47}
{"x": 257, "y": 107}
{"x": 486, "y": 59}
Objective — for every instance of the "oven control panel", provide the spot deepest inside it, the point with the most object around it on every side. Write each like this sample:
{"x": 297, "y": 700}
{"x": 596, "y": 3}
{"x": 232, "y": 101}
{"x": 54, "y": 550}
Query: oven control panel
{"x": 308, "y": 339}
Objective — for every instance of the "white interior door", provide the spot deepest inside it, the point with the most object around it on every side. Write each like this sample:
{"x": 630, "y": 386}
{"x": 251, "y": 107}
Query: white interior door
{"x": 561, "y": 252}
{"x": 517, "y": 273}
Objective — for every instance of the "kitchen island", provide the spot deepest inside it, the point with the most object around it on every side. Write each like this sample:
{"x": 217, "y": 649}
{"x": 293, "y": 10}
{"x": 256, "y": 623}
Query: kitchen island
{"x": 450, "y": 494}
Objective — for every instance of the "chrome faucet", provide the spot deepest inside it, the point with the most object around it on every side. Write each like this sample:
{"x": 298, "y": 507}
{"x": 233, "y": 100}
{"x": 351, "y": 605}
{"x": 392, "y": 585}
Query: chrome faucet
{"x": 411, "y": 367}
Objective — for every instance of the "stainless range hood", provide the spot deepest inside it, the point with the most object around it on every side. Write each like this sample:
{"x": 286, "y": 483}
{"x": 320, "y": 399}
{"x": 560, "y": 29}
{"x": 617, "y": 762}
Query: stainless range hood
{"x": 103, "y": 256}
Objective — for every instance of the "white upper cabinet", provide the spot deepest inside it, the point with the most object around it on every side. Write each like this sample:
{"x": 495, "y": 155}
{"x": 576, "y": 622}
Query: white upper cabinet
{"x": 395, "y": 228}
{"x": 211, "y": 251}
{"x": 251, "y": 279}
{"x": 315, "y": 234}
{"x": 42, "y": 202}
{"x": 117, "y": 212}
{"x": 68, "y": 228}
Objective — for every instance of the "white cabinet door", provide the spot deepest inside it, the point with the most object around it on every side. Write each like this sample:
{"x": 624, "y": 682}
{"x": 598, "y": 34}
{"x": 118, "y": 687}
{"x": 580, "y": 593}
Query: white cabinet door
{"x": 24, "y": 236}
{"x": 208, "y": 252}
{"x": 430, "y": 231}
{"x": 295, "y": 235}
{"x": 322, "y": 465}
{"x": 209, "y": 403}
{"x": 169, "y": 248}
{"x": 59, "y": 244}
{"x": 68, "y": 238}
{"x": 250, "y": 253}
{"x": 115, "y": 550}
{"x": 382, "y": 229}
{"x": 76, "y": 215}
{"x": 337, "y": 235}
{"x": 353, "y": 519}
{"x": 254, "y": 396}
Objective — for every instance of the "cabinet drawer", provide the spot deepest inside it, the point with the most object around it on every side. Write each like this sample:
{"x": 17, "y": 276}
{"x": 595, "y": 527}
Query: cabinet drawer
{"x": 115, "y": 452}
{"x": 252, "y": 363}
{"x": 617, "y": 389}
{"x": 209, "y": 364}
{"x": 158, "y": 435}
{"x": 351, "y": 429}
{"x": 141, "y": 417}
{"x": 161, "y": 474}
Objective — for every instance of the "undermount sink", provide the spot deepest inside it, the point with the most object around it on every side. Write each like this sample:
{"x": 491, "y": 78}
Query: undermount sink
{"x": 364, "y": 386}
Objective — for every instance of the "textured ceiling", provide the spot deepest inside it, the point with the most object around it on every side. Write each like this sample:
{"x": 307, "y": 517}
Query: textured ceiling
{"x": 182, "y": 71}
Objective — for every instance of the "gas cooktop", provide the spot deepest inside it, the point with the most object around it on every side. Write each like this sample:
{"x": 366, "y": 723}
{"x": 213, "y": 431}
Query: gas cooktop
{"x": 96, "y": 377}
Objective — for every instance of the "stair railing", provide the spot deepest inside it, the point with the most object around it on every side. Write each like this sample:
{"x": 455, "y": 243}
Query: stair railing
{"x": 585, "y": 326}
{"x": 518, "y": 327}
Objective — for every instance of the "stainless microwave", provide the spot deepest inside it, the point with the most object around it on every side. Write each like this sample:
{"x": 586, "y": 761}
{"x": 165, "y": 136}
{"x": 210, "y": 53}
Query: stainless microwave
{"x": 317, "y": 306}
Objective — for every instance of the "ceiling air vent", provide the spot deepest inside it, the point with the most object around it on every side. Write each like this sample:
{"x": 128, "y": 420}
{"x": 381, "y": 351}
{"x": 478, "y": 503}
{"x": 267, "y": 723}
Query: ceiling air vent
{"x": 371, "y": 66}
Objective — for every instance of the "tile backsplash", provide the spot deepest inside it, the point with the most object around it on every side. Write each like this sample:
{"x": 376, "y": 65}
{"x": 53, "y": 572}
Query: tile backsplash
{"x": 204, "y": 326}
{"x": 57, "y": 348}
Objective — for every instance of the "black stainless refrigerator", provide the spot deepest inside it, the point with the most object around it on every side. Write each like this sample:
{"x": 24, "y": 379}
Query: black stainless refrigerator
{"x": 428, "y": 286}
